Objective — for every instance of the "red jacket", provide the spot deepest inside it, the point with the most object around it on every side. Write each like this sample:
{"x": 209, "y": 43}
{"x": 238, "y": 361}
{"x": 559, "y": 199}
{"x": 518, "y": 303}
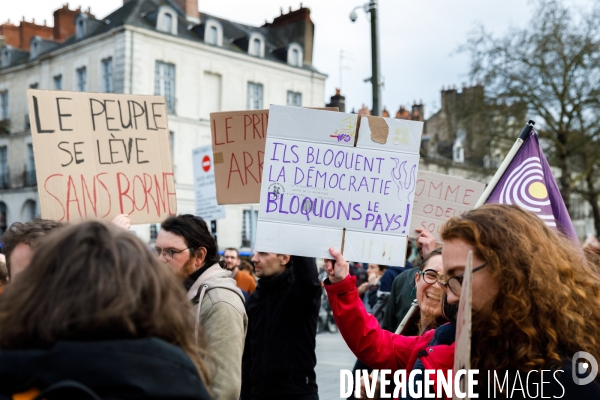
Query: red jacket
{"x": 376, "y": 347}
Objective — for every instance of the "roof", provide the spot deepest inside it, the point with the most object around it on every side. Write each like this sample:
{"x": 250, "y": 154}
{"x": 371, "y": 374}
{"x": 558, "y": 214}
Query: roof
{"x": 142, "y": 14}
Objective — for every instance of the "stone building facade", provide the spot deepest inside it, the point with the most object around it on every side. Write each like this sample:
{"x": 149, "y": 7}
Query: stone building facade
{"x": 200, "y": 63}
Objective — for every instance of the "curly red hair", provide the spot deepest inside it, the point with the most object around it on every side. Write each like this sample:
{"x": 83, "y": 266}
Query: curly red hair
{"x": 548, "y": 307}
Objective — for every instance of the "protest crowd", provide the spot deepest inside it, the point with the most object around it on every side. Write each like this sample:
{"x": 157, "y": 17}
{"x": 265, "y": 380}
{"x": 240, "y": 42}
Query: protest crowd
{"x": 502, "y": 292}
{"x": 89, "y": 310}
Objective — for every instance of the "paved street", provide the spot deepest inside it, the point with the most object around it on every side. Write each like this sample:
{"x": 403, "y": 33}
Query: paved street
{"x": 332, "y": 355}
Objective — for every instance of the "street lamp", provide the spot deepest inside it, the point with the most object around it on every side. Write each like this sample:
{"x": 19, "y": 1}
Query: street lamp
{"x": 371, "y": 8}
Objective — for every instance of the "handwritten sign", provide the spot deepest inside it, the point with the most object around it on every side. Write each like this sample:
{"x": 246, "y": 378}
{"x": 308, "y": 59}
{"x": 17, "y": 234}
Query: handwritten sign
{"x": 439, "y": 197}
{"x": 238, "y": 140}
{"x": 320, "y": 190}
{"x": 204, "y": 185}
{"x": 462, "y": 352}
{"x": 101, "y": 154}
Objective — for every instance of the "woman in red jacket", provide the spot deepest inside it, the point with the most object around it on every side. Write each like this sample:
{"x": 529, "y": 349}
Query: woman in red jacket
{"x": 536, "y": 305}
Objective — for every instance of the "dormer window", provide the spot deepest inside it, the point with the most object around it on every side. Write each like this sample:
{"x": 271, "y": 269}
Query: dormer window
{"x": 294, "y": 56}
{"x": 166, "y": 23}
{"x": 458, "y": 152}
{"x": 213, "y": 33}
{"x": 256, "y": 45}
{"x": 167, "y": 20}
{"x": 80, "y": 26}
{"x": 35, "y": 49}
{"x": 5, "y": 57}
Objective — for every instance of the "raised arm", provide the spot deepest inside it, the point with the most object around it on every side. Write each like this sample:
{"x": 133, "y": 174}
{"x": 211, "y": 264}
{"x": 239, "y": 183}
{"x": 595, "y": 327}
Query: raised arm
{"x": 372, "y": 345}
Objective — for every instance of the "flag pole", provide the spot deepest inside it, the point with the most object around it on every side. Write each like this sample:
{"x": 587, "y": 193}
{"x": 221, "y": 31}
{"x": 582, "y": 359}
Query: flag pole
{"x": 507, "y": 160}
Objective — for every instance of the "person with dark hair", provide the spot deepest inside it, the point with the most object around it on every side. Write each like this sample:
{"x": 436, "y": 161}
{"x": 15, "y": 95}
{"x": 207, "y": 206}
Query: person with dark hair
{"x": 96, "y": 314}
{"x": 186, "y": 245}
{"x": 19, "y": 241}
{"x": 279, "y": 356}
{"x": 232, "y": 262}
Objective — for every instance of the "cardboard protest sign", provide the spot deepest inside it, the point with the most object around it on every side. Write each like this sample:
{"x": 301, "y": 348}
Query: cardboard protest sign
{"x": 462, "y": 352}
{"x": 238, "y": 142}
{"x": 329, "y": 182}
{"x": 439, "y": 197}
{"x": 98, "y": 155}
{"x": 238, "y": 139}
{"x": 204, "y": 185}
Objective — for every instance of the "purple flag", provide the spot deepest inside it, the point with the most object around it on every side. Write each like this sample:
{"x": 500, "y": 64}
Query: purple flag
{"x": 528, "y": 183}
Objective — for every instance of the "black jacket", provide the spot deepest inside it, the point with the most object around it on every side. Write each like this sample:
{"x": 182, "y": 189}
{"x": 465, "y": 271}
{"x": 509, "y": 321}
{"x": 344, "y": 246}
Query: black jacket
{"x": 147, "y": 368}
{"x": 279, "y": 355}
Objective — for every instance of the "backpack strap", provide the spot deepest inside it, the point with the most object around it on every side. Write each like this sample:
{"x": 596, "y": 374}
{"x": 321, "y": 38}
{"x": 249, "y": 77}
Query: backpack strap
{"x": 67, "y": 390}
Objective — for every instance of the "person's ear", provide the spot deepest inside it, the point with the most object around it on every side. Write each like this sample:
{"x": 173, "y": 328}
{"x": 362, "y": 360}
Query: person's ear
{"x": 285, "y": 259}
{"x": 416, "y": 278}
{"x": 200, "y": 256}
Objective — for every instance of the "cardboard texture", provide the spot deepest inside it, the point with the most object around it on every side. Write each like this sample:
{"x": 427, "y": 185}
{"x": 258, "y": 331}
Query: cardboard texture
{"x": 438, "y": 198}
{"x": 462, "y": 353}
{"x": 319, "y": 190}
{"x": 98, "y": 155}
{"x": 238, "y": 140}
{"x": 204, "y": 185}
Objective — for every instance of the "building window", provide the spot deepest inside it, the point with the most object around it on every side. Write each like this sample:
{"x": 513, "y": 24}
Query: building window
{"x": 164, "y": 84}
{"x": 166, "y": 20}
{"x": 294, "y": 99}
{"x": 107, "y": 75}
{"x": 58, "y": 82}
{"x": 248, "y": 227}
{"x": 256, "y": 45}
{"x": 5, "y": 57}
{"x": 34, "y": 49}
{"x": 3, "y": 212}
{"x": 255, "y": 48}
{"x": 458, "y": 152}
{"x": 294, "y": 55}
{"x": 30, "y": 179}
{"x": 212, "y": 35}
{"x": 29, "y": 209}
{"x": 81, "y": 79}
{"x": 3, "y": 167}
{"x": 255, "y": 96}
{"x": 4, "y": 105}
{"x": 33, "y": 86}
{"x": 79, "y": 27}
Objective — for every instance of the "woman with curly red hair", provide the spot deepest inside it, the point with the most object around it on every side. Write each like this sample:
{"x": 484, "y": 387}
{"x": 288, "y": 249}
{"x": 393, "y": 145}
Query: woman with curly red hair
{"x": 536, "y": 303}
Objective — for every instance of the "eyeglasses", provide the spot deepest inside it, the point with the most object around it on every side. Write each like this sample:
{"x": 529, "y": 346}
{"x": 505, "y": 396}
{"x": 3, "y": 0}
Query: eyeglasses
{"x": 455, "y": 283}
{"x": 430, "y": 276}
{"x": 169, "y": 253}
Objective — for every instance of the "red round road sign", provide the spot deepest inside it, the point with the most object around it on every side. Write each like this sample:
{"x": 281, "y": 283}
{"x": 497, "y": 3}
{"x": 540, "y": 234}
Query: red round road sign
{"x": 206, "y": 163}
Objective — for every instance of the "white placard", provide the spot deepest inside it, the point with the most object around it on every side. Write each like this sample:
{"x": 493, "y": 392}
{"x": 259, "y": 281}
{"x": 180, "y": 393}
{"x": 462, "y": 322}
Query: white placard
{"x": 319, "y": 190}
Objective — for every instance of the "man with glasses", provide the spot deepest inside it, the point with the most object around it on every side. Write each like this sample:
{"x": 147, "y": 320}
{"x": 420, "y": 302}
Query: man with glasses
{"x": 186, "y": 245}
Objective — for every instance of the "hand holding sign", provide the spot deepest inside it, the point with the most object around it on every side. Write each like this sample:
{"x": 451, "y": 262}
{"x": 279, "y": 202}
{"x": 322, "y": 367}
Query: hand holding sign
{"x": 338, "y": 268}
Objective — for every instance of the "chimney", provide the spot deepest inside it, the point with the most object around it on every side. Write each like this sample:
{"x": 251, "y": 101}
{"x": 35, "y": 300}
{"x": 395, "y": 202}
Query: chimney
{"x": 296, "y": 26}
{"x": 189, "y": 7}
{"x": 64, "y": 23}
{"x": 338, "y": 101}
{"x": 10, "y": 33}
{"x": 28, "y": 30}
